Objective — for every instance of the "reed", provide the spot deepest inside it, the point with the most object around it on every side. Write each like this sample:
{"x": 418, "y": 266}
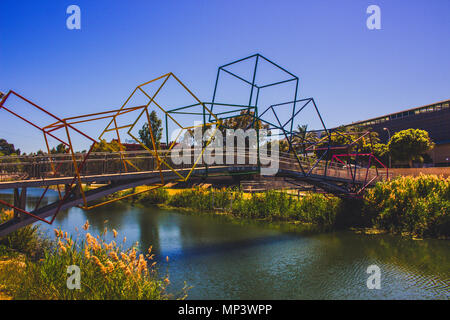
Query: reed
{"x": 416, "y": 205}
{"x": 270, "y": 205}
{"x": 108, "y": 271}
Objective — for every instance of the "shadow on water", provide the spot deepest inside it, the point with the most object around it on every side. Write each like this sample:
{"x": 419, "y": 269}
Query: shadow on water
{"x": 227, "y": 247}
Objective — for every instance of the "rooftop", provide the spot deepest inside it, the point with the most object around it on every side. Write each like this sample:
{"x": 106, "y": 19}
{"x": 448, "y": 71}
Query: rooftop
{"x": 437, "y": 106}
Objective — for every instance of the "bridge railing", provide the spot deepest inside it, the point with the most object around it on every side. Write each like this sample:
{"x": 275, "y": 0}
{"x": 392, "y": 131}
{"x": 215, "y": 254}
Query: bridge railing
{"x": 13, "y": 168}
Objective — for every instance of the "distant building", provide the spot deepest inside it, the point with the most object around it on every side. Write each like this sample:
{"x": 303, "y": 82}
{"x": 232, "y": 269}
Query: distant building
{"x": 434, "y": 118}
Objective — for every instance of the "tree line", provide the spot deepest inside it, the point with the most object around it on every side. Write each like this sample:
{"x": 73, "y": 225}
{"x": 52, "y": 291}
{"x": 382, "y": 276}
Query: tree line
{"x": 404, "y": 146}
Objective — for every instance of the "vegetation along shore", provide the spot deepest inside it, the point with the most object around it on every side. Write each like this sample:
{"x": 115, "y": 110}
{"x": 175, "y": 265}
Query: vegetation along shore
{"x": 409, "y": 206}
{"x": 31, "y": 264}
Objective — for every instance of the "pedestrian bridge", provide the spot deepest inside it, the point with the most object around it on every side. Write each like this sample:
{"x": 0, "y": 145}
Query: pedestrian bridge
{"x": 335, "y": 162}
{"x": 107, "y": 170}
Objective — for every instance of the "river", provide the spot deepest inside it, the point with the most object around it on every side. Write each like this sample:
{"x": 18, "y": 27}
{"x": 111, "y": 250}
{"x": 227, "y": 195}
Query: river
{"x": 227, "y": 260}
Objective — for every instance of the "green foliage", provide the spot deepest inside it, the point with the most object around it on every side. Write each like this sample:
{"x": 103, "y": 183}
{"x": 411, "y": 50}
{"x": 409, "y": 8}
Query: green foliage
{"x": 408, "y": 145}
{"x": 419, "y": 205}
{"x": 60, "y": 148}
{"x": 104, "y": 146}
{"x": 381, "y": 151}
{"x": 108, "y": 271}
{"x": 245, "y": 120}
{"x": 342, "y": 136}
{"x": 303, "y": 139}
{"x": 271, "y": 205}
{"x": 157, "y": 196}
{"x": 8, "y": 148}
{"x": 146, "y": 136}
{"x": 27, "y": 240}
{"x": 201, "y": 200}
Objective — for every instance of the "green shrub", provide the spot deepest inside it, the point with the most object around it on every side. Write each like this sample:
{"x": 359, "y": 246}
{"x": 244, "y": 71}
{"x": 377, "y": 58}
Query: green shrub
{"x": 417, "y": 205}
{"x": 107, "y": 272}
{"x": 156, "y": 196}
{"x": 317, "y": 209}
{"x": 27, "y": 240}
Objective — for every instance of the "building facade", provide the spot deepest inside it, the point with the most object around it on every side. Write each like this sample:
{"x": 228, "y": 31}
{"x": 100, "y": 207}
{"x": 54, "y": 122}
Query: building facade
{"x": 434, "y": 118}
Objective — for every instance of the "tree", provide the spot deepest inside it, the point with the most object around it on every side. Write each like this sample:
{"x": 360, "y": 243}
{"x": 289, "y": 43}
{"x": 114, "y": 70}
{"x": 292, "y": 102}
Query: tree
{"x": 8, "y": 148}
{"x": 351, "y": 138}
{"x": 104, "y": 146}
{"x": 408, "y": 145}
{"x": 244, "y": 121}
{"x": 60, "y": 148}
{"x": 303, "y": 139}
{"x": 144, "y": 133}
{"x": 381, "y": 151}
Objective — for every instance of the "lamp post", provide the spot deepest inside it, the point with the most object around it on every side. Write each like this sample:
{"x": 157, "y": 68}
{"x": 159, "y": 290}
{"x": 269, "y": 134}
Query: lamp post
{"x": 389, "y": 135}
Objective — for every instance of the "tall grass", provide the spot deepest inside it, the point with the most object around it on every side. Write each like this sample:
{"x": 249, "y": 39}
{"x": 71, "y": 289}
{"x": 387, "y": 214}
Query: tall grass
{"x": 108, "y": 270}
{"x": 27, "y": 240}
{"x": 201, "y": 199}
{"x": 270, "y": 205}
{"x": 419, "y": 206}
{"x": 156, "y": 196}
{"x": 416, "y": 205}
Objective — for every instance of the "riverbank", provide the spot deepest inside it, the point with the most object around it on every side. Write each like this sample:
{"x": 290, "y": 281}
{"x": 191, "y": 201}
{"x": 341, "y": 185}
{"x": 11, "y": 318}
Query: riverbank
{"x": 233, "y": 260}
{"x": 35, "y": 267}
{"x": 416, "y": 207}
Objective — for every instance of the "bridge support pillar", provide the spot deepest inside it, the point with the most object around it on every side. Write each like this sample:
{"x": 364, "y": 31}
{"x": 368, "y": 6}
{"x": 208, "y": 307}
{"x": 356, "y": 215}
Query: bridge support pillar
{"x": 78, "y": 190}
{"x": 66, "y": 189}
{"x": 20, "y": 201}
{"x": 75, "y": 189}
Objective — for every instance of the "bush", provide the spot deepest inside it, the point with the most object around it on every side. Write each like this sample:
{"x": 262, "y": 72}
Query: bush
{"x": 317, "y": 209}
{"x": 156, "y": 196}
{"x": 107, "y": 272}
{"x": 271, "y": 205}
{"x": 417, "y": 205}
{"x": 27, "y": 240}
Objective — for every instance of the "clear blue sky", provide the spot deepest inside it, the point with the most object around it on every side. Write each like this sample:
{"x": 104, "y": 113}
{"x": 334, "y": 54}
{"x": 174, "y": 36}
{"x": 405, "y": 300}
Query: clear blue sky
{"x": 352, "y": 72}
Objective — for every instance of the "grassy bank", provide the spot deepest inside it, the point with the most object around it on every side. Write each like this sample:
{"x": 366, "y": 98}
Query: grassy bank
{"x": 415, "y": 206}
{"x": 33, "y": 267}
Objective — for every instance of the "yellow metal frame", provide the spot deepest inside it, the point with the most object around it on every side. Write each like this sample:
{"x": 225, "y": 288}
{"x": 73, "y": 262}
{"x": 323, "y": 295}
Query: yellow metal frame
{"x": 151, "y": 98}
{"x": 113, "y": 127}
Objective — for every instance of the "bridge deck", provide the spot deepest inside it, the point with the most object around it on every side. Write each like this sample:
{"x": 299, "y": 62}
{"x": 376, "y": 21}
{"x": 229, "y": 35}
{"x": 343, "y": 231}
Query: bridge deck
{"x": 148, "y": 174}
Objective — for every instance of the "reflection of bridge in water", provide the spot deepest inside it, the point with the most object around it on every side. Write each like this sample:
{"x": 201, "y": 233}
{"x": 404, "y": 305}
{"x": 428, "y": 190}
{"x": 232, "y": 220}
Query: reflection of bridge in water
{"x": 339, "y": 163}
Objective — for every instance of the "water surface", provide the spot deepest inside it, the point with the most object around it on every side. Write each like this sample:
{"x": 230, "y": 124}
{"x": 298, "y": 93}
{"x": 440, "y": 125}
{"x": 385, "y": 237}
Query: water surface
{"x": 225, "y": 260}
